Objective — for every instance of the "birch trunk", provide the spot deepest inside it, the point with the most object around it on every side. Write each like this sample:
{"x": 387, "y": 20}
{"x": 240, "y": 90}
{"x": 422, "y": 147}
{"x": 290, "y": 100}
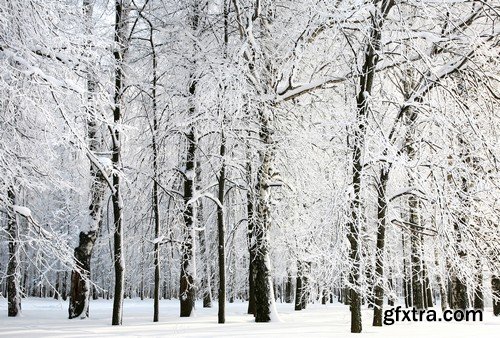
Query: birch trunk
{"x": 80, "y": 278}
{"x": 13, "y": 290}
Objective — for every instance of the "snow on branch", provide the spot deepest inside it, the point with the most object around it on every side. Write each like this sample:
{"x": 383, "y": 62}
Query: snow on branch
{"x": 207, "y": 195}
{"x": 291, "y": 93}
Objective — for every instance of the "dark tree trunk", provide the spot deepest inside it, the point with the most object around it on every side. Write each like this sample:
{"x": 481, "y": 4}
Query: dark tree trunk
{"x": 205, "y": 284}
{"x": 80, "y": 279}
{"x": 495, "y": 288}
{"x": 391, "y": 299}
{"x": 299, "y": 288}
{"x": 64, "y": 288}
{"x": 264, "y": 297}
{"x": 369, "y": 280}
{"x": 221, "y": 233}
{"x": 119, "y": 258}
{"x": 365, "y": 87}
{"x": 156, "y": 210}
{"x": 155, "y": 192}
{"x": 427, "y": 288}
{"x": 324, "y": 296}
{"x": 13, "y": 294}
{"x": 478, "y": 292}
{"x": 379, "y": 255}
{"x": 459, "y": 299}
{"x": 346, "y": 297}
{"x": 221, "y": 228}
{"x": 289, "y": 289}
{"x": 187, "y": 290}
{"x": 416, "y": 262}
{"x": 250, "y": 238}
{"x": 406, "y": 275}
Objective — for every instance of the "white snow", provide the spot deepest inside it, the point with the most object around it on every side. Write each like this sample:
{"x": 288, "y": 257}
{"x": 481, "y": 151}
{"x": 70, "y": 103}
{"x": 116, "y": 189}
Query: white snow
{"x": 106, "y": 163}
{"x": 190, "y": 174}
{"x": 23, "y": 211}
{"x": 48, "y": 318}
{"x": 158, "y": 239}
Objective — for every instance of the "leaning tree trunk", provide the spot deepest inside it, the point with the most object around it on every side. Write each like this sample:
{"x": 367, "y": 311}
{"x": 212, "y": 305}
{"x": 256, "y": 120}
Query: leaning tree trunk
{"x": 80, "y": 277}
{"x": 13, "y": 291}
{"x": 406, "y": 274}
{"x": 119, "y": 258}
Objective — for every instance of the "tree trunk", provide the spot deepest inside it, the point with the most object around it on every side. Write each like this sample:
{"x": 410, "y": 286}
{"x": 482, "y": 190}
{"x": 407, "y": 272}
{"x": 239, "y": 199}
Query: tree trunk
{"x": 495, "y": 288}
{"x": 478, "y": 290}
{"x": 299, "y": 291}
{"x": 299, "y": 288}
{"x": 13, "y": 291}
{"x": 263, "y": 283}
{"x": 288, "y": 289}
{"x": 205, "y": 257}
{"x": 406, "y": 274}
{"x": 119, "y": 258}
{"x": 187, "y": 291}
{"x": 427, "y": 287}
{"x": 459, "y": 297}
{"x": 80, "y": 278}
{"x": 206, "y": 284}
{"x": 379, "y": 255}
{"x": 391, "y": 299}
{"x": 362, "y": 101}
{"x": 187, "y": 287}
{"x": 250, "y": 238}
{"x": 64, "y": 288}
{"x": 156, "y": 206}
{"x": 324, "y": 296}
{"x": 442, "y": 287}
{"x": 221, "y": 233}
{"x": 416, "y": 262}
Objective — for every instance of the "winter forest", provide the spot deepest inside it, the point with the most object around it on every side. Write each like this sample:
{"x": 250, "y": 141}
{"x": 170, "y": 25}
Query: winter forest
{"x": 280, "y": 156}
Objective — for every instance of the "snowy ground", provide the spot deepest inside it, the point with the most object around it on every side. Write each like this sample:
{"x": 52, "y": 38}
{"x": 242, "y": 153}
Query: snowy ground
{"x": 47, "y": 318}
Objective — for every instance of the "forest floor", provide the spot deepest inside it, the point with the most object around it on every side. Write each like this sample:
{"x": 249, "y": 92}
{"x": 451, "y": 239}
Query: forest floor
{"x": 48, "y": 318}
